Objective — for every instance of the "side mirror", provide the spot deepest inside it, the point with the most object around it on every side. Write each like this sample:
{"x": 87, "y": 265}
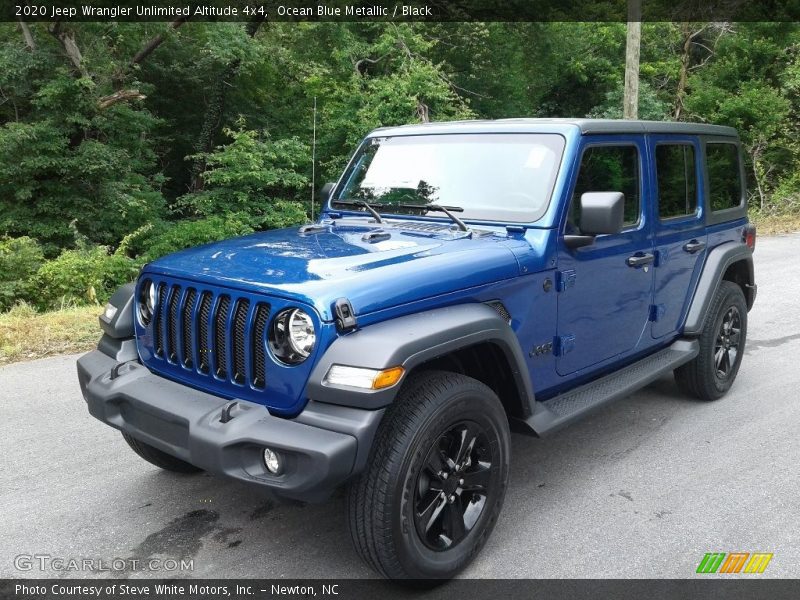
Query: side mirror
{"x": 326, "y": 191}
{"x": 601, "y": 212}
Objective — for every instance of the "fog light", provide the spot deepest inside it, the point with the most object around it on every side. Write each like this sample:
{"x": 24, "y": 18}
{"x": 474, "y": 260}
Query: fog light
{"x": 110, "y": 311}
{"x": 272, "y": 460}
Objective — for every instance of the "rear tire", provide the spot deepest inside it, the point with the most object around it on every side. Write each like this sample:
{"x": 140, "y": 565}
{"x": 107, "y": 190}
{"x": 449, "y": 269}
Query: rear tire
{"x": 436, "y": 479}
{"x": 158, "y": 458}
{"x": 711, "y": 373}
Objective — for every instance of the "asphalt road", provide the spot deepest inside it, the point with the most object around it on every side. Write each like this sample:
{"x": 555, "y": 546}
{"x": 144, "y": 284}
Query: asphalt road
{"x": 641, "y": 489}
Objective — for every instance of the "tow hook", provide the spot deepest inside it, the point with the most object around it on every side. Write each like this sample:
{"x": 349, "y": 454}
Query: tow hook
{"x": 226, "y": 412}
{"x": 115, "y": 369}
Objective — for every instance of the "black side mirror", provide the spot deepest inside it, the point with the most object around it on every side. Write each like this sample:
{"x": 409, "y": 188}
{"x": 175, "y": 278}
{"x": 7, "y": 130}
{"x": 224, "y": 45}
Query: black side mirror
{"x": 601, "y": 213}
{"x": 325, "y": 192}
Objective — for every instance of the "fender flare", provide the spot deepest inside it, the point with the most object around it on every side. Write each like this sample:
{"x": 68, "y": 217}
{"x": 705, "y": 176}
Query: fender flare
{"x": 411, "y": 340}
{"x": 717, "y": 262}
{"x": 120, "y": 326}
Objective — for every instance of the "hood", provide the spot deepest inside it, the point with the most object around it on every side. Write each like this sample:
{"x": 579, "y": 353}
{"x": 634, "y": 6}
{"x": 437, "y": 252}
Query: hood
{"x": 406, "y": 262}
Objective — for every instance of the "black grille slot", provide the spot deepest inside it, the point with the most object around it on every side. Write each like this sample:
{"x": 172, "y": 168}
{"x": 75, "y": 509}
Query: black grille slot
{"x": 186, "y": 321}
{"x": 158, "y": 322}
{"x": 259, "y": 358}
{"x": 220, "y": 336}
{"x": 172, "y": 324}
{"x": 239, "y": 323}
{"x": 202, "y": 328}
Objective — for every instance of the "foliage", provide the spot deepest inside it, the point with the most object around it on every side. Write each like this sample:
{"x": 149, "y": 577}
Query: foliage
{"x": 81, "y": 276}
{"x": 20, "y": 259}
{"x": 252, "y": 176}
{"x": 156, "y": 240}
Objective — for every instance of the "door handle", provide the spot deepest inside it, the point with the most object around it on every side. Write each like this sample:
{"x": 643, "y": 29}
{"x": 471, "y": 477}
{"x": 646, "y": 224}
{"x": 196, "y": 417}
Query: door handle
{"x": 694, "y": 246}
{"x": 639, "y": 260}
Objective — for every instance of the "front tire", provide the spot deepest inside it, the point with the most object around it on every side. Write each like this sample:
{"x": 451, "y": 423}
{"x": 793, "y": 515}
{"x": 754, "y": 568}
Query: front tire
{"x": 711, "y": 373}
{"x": 435, "y": 483}
{"x": 158, "y": 458}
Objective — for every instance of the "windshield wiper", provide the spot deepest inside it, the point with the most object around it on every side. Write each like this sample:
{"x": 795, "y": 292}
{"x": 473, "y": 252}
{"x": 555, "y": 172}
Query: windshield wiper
{"x": 448, "y": 210}
{"x": 369, "y": 206}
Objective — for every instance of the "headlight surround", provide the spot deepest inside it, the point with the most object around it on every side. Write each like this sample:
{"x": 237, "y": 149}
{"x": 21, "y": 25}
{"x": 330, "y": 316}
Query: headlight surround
{"x": 292, "y": 336}
{"x": 146, "y": 302}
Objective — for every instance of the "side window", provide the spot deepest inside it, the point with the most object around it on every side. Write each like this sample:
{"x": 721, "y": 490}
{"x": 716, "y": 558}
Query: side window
{"x": 608, "y": 169}
{"x": 677, "y": 180}
{"x": 724, "y": 179}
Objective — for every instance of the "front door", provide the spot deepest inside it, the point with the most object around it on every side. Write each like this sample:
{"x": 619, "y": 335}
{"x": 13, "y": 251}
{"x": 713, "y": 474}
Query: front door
{"x": 605, "y": 289}
{"x": 680, "y": 236}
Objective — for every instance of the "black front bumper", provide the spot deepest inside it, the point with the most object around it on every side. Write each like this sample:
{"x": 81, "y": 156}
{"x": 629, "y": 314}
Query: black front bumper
{"x": 321, "y": 447}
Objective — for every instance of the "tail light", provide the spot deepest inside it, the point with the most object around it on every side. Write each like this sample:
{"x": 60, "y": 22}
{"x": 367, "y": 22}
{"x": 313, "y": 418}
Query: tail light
{"x": 749, "y": 236}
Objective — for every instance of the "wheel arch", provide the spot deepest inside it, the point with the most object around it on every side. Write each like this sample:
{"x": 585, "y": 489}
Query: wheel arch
{"x": 730, "y": 261}
{"x": 467, "y": 338}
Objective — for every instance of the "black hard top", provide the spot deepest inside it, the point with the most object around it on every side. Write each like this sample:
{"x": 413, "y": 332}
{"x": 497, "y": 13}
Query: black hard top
{"x": 586, "y": 126}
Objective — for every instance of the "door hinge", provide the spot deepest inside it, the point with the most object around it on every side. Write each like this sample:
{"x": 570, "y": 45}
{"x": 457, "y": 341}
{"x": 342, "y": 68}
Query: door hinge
{"x": 565, "y": 279}
{"x": 657, "y": 312}
{"x": 563, "y": 344}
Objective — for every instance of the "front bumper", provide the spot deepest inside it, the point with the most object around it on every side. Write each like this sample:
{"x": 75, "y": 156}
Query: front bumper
{"x": 321, "y": 447}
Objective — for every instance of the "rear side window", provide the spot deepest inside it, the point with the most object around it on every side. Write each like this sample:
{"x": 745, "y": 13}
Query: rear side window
{"x": 677, "y": 180}
{"x": 724, "y": 179}
{"x": 608, "y": 169}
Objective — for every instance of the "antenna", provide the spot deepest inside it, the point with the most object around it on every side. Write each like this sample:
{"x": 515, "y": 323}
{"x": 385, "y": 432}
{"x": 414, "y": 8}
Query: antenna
{"x": 314, "y": 159}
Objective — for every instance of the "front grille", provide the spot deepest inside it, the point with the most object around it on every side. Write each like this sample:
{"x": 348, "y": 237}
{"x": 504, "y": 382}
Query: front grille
{"x": 191, "y": 331}
{"x": 220, "y": 337}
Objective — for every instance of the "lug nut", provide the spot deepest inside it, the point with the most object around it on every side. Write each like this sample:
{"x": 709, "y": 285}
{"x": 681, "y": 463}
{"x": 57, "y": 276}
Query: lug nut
{"x": 460, "y": 482}
{"x": 452, "y": 498}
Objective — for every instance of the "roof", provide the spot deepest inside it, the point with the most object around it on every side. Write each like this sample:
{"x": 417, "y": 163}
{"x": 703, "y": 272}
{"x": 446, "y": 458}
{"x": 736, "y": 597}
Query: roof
{"x": 586, "y": 126}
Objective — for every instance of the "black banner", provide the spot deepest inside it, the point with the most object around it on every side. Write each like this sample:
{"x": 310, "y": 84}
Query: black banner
{"x": 346, "y": 589}
{"x": 399, "y": 11}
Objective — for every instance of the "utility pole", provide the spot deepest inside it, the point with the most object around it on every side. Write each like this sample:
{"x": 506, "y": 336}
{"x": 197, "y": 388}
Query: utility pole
{"x": 630, "y": 108}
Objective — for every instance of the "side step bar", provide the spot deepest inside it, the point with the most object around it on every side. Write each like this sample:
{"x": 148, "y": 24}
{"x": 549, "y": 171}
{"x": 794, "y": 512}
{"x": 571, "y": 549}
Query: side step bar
{"x": 570, "y": 406}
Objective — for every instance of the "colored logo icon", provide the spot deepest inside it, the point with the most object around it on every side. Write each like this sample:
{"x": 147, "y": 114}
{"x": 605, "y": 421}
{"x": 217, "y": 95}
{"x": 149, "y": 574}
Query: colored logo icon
{"x": 734, "y": 562}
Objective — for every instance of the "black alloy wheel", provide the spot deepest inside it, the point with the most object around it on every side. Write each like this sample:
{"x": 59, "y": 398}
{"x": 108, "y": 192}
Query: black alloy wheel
{"x": 452, "y": 486}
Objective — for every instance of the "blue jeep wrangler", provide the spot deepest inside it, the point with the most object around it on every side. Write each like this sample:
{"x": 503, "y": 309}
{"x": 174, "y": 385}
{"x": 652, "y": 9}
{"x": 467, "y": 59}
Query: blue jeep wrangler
{"x": 463, "y": 279}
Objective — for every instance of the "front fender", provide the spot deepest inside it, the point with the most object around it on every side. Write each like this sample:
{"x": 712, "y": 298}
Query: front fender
{"x": 410, "y": 341}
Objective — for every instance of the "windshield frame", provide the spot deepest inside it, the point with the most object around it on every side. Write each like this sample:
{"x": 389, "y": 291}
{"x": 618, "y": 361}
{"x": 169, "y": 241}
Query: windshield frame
{"x": 539, "y": 214}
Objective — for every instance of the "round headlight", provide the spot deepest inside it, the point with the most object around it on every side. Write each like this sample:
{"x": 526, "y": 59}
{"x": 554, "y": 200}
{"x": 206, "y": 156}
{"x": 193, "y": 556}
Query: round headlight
{"x": 292, "y": 336}
{"x": 147, "y": 301}
{"x": 301, "y": 333}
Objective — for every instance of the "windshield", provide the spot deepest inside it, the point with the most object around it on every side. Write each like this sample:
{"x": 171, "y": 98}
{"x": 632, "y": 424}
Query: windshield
{"x": 493, "y": 177}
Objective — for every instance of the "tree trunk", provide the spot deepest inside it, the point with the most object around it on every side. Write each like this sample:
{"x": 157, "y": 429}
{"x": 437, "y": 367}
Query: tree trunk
{"x": 212, "y": 120}
{"x": 684, "y": 71}
{"x": 26, "y": 33}
{"x": 630, "y": 108}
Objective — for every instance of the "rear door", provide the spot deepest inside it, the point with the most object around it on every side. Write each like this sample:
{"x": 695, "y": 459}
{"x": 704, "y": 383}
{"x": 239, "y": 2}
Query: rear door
{"x": 604, "y": 298}
{"x": 680, "y": 235}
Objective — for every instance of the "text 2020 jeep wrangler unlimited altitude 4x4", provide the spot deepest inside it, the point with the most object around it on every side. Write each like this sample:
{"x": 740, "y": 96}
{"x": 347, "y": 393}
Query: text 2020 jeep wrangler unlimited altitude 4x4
{"x": 462, "y": 278}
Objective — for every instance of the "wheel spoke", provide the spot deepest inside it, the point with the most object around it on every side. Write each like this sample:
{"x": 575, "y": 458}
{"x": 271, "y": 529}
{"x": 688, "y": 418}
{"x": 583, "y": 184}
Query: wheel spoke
{"x": 468, "y": 438}
{"x": 718, "y": 358}
{"x": 726, "y": 361}
{"x": 454, "y": 520}
{"x": 435, "y": 463}
{"x": 476, "y": 481}
{"x": 735, "y": 334}
{"x": 433, "y": 504}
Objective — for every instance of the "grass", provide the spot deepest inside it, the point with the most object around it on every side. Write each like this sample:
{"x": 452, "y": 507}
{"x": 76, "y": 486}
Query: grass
{"x": 27, "y": 335}
{"x": 776, "y": 224}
